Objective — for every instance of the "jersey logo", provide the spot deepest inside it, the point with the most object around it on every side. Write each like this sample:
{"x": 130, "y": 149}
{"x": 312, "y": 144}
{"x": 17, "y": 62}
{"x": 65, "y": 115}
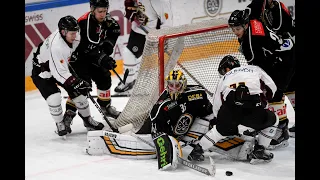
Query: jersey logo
{"x": 193, "y": 97}
{"x": 61, "y": 61}
{"x": 257, "y": 28}
{"x": 183, "y": 124}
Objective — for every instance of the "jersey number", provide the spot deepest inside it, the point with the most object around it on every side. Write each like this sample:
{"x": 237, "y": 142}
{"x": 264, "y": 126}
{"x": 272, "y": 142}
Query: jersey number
{"x": 183, "y": 107}
{"x": 235, "y": 85}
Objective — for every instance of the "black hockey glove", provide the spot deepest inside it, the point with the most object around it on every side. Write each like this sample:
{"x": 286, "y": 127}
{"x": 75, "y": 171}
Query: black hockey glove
{"x": 107, "y": 62}
{"x": 78, "y": 86}
{"x": 243, "y": 98}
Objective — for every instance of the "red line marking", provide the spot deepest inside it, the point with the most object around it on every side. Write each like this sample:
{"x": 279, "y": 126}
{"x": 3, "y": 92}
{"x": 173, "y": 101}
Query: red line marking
{"x": 67, "y": 168}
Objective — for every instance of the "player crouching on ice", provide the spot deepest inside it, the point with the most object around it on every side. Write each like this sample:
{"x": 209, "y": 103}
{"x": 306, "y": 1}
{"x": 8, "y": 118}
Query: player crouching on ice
{"x": 182, "y": 113}
{"x": 239, "y": 101}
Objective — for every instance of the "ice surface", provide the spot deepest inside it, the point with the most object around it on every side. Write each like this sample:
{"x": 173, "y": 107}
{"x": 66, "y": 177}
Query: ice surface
{"x": 49, "y": 157}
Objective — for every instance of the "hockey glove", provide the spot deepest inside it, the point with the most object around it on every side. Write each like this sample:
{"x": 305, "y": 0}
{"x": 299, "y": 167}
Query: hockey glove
{"x": 243, "y": 98}
{"x": 130, "y": 10}
{"x": 107, "y": 62}
{"x": 78, "y": 86}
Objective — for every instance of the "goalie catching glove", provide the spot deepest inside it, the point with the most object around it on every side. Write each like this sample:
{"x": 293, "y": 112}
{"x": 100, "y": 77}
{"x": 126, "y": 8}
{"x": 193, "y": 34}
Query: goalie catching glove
{"x": 168, "y": 150}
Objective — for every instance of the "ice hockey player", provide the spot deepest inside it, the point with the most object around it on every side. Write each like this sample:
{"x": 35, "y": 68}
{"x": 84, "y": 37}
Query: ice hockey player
{"x": 262, "y": 47}
{"x": 91, "y": 60}
{"x": 276, "y": 16}
{"x": 151, "y": 14}
{"x": 240, "y": 100}
{"x": 50, "y": 67}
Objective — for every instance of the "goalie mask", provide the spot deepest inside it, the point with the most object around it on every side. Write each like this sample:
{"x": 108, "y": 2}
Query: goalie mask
{"x": 176, "y": 83}
{"x": 228, "y": 62}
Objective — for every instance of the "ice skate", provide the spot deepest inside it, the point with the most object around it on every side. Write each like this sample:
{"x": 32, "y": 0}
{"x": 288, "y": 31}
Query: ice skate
{"x": 67, "y": 118}
{"x": 196, "y": 154}
{"x": 61, "y": 129}
{"x": 124, "y": 88}
{"x": 250, "y": 132}
{"x": 280, "y": 140}
{"x": 91, "y": 124}
{"x": 292, "y": 131}
{"x": 260, "y": 155}
{"x": 110, "y": 111}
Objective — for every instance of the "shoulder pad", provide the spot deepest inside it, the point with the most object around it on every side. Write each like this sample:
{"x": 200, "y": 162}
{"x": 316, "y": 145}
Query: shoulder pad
{"x": 84, "y": 17}
{"x": 257, "y": 28}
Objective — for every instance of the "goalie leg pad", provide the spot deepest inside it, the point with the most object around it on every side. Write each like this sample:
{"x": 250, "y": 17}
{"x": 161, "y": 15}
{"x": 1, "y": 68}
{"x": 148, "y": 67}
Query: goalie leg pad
{"x": 234, "y": 147}
{"x": 168, "y": 150}
{"x": 120, "y": 145}
{"x": 199, "y": 128}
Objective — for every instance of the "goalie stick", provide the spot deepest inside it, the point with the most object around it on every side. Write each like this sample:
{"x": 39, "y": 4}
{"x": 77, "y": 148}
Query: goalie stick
{"x": 211, "y": 171}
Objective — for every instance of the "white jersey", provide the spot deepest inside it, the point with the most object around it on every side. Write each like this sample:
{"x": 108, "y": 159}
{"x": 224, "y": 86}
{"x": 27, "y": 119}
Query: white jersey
{"x": 155, "y": 9}
{"x": 55, "y": 50}
{"x": 250, "y": 75}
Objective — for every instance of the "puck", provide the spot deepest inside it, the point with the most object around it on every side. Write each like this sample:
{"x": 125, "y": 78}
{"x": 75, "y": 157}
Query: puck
{"x": 229, "y": 173}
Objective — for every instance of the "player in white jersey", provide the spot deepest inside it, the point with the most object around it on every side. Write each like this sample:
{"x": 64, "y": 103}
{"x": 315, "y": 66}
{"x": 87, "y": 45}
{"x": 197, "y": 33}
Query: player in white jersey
{"x": 240, "y": 99}
{"x": 50, "y": 67}
{"x": 150, "y": 14}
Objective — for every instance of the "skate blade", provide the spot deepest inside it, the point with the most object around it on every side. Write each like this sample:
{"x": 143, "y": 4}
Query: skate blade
{"x": 283, "y": 144}
{"x": 292, "y": 134}
{"x": 259, "y": 161}
{"x": 212, "y": 167}
{"x": 64, "y": 137}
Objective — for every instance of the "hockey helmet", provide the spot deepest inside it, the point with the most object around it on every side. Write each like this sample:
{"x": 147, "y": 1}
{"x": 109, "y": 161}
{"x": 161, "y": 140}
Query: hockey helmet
{"x": 228, "y": 62}
{"x": 68, "y": 23}
{"x": 99, "y": 3}
{"x": 176, "y": 83}
{"x": 238, "y": 18}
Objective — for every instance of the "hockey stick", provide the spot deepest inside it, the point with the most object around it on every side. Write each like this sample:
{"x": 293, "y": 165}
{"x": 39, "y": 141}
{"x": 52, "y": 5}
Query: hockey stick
{"x": 101, "y": 112}
{"x": 112, "y": 95}
{"x": 114, "y": 71}
{"x": 208, "y": 171}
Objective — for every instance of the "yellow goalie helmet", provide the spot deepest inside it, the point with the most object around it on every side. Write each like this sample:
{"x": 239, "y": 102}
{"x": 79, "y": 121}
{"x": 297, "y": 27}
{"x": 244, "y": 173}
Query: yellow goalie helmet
{"x": 176, "y": 83}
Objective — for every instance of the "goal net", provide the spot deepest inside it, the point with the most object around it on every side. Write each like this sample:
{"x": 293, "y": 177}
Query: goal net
{"x": 195, "y": 48}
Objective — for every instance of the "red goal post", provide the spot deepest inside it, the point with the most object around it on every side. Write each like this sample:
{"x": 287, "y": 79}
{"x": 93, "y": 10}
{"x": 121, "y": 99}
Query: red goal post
{"x": 195, "y": 48}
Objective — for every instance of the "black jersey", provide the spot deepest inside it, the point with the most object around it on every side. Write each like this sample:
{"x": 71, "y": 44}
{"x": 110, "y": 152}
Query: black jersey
{"x": 275, "y": 16}
{"x": 96, "y": 37}
{"x": 258, "y": 45}
{"x": 176, "y": 117}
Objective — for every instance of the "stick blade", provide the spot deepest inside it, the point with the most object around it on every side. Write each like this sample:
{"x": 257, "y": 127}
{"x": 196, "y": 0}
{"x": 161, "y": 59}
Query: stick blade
{"x": 212, "y": 168}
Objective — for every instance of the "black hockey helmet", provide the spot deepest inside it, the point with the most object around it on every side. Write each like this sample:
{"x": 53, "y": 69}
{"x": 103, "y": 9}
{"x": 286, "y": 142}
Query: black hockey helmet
{"x": 228, "y": 62}
{"x": 238, "y": 18}
{"x": 99, "y": 3}
{"x": 68, "y": 23}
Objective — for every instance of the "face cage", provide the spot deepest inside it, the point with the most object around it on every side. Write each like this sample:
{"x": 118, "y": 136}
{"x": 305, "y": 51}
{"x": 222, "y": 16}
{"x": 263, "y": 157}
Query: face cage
{"x": 174, "y": 88}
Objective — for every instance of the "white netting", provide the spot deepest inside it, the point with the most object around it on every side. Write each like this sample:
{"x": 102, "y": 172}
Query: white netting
{"x": 197, "y": 52}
